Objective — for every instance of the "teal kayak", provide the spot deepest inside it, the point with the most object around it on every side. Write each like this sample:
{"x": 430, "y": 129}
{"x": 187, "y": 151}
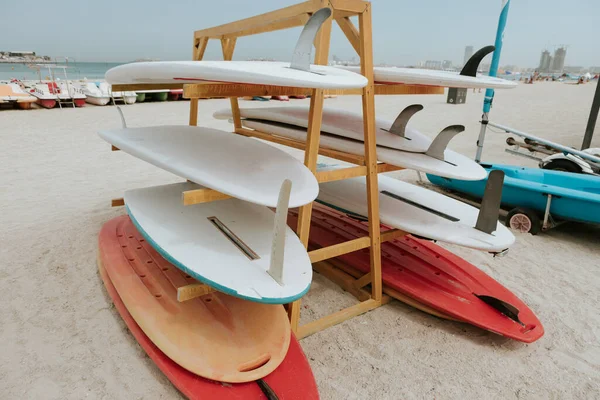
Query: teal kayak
{"x": 575, "y": 197}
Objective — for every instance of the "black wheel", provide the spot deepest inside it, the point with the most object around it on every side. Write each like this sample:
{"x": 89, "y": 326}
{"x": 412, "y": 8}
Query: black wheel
{"x": 563, "y": 165}
{"x": 524, "y": 220}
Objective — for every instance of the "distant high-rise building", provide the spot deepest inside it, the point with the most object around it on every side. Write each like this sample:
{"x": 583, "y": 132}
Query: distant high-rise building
{"x": 446, "y": 64}
{"x": 468, "y": 53}
{"x": 558, "y": 63}
{"x": 432, "y": 64}
{"x": 545, "y": 61}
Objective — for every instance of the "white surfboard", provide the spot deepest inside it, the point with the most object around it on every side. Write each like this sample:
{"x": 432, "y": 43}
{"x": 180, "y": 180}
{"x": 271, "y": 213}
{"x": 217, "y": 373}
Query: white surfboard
{"x": 417, "y": 210}
{"x": 428, "y": 77}
{"x": 238, "y": 166}
{"x": 226, "y": 244}
{"x": 455, "y": 165}
{"x": 250, "y": 72}
{"x": 337, "y": 122}
{"x": 297, "y": 73}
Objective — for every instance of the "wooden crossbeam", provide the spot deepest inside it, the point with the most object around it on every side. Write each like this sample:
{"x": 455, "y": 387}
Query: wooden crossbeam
{"x": 260, "y": 23}
{"x": 351, "y": 158}
{"x": 298, "y": 20}
{"x": 353, "y": 6}
{"x": 340, "y": 316}
{"x": 192, "y": 291}
{"x": 326, "y": 253}
{"x": 204, "y": 195}
{"x": 120, "y": 202}
{"x": 216, "y": 89}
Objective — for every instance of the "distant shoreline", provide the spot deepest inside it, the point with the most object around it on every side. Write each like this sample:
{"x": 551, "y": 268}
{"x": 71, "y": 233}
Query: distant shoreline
{"x": 26, "y": 62}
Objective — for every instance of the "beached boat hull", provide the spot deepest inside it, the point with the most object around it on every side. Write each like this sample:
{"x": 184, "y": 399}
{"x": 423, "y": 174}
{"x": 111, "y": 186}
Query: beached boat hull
{"x": 97, "y": 101}
{"x": 129, "y": 99}
{"x": 575, "y": 197}
{"x": 46, "y": 103}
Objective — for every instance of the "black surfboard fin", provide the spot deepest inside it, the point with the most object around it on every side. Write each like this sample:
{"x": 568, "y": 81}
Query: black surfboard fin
{"x": 267, "y": 390}
{"x": 503, "y": 307}
{"x": 438, "y": 146}
{"x": 399, "y": 125}
{"x": 301, "y": 58}
{"x": 490, "y": 203}
{"x": 472, "y": 65}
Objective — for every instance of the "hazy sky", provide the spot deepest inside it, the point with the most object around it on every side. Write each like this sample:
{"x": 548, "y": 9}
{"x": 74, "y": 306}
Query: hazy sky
{"x": 405, "y": 32}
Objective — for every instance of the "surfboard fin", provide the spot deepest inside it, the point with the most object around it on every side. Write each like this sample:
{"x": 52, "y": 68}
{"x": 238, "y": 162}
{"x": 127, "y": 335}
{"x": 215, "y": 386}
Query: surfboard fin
{"x": 472, "y": 65}
{"x": 438, "y": 146}
{"x": 302, "y": 53}
{"x": 399, "y": 125}
{"x": 503, "y": 307}
{"x": 490, "y": 204}
{"x": 279, "y": 229}
{"x": 267, "y": 390}
{"x": 123, "y": 122}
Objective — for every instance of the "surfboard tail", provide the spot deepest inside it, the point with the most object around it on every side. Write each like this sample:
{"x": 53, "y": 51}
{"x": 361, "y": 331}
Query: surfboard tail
{"x": 279, "y": 230}
{"x": 490, "y": 203}
{"x": 302, "y": 53}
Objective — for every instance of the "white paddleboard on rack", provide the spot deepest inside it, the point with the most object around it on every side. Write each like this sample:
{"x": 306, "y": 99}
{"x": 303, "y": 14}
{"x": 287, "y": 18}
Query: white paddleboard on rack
{"x": 337, "y": 122}
{"x": 454, "y": 166}
{"x": 417, "y": 210}
{"x": 297, "y": 73}
{"x": 238, "y": 166}
{"x": 417, "y": 76}
{"x": 226, "y": 244}
{"x": 249, "y": 72}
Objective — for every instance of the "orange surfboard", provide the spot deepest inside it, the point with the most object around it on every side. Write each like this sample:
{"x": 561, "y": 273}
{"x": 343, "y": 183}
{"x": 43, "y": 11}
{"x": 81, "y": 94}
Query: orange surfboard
{"x": 215, "y": 336}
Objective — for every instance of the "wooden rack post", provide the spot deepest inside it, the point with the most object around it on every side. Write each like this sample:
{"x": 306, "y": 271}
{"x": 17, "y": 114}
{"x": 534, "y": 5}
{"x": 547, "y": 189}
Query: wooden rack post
{"x": 366, "y": 165}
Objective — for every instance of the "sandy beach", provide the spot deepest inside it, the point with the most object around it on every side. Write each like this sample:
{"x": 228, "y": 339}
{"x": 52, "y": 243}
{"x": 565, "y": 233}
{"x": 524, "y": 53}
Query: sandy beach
{"x": 61, "y": 338}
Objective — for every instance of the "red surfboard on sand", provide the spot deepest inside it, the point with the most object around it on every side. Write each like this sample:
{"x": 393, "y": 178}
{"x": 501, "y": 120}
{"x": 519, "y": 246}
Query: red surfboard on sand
{"x": 293, "y": 379}
{"x": 430, "y": 275}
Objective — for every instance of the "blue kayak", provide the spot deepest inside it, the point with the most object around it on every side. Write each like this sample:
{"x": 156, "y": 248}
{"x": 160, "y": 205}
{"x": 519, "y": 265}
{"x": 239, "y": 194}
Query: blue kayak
{"x": 575, "y": 197}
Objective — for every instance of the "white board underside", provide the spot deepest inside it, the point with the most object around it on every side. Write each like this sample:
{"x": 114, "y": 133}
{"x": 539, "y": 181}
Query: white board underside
{"x": 417, "y": 76}
{"x": 249, "y": 72}
{"x": 456, "y": 165}
{"x": 186, "y": 236}
{"x": 238, "y": 166}
{"x": 336, "y": 122}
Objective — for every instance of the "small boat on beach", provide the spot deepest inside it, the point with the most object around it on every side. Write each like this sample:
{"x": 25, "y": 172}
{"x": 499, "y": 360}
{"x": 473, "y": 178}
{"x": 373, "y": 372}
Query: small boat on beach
{"x": 70, "y": 94}
{"x": 175, "y": 94}
{"x": 45, "y": 94}
{"x": 95, "y": 95}
{"x": 152, "y": 95}
{"x": 12, "y": 93}
{"x": 125, "y": 97}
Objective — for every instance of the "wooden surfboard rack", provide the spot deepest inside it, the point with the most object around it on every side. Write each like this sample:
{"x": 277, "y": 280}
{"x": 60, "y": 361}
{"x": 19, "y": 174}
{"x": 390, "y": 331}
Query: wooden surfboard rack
{"x": 366, "y": 165}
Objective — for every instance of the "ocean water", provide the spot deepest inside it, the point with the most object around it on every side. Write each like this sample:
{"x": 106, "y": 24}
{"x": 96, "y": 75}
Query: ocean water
{"x": 76, "y": 70}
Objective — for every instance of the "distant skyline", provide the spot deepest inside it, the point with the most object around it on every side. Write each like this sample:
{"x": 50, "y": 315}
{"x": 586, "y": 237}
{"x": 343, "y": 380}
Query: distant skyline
{"x": 404, "y": 33}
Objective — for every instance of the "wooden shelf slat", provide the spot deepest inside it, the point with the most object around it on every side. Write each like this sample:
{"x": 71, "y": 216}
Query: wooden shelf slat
{"x": 326, "y": 253}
